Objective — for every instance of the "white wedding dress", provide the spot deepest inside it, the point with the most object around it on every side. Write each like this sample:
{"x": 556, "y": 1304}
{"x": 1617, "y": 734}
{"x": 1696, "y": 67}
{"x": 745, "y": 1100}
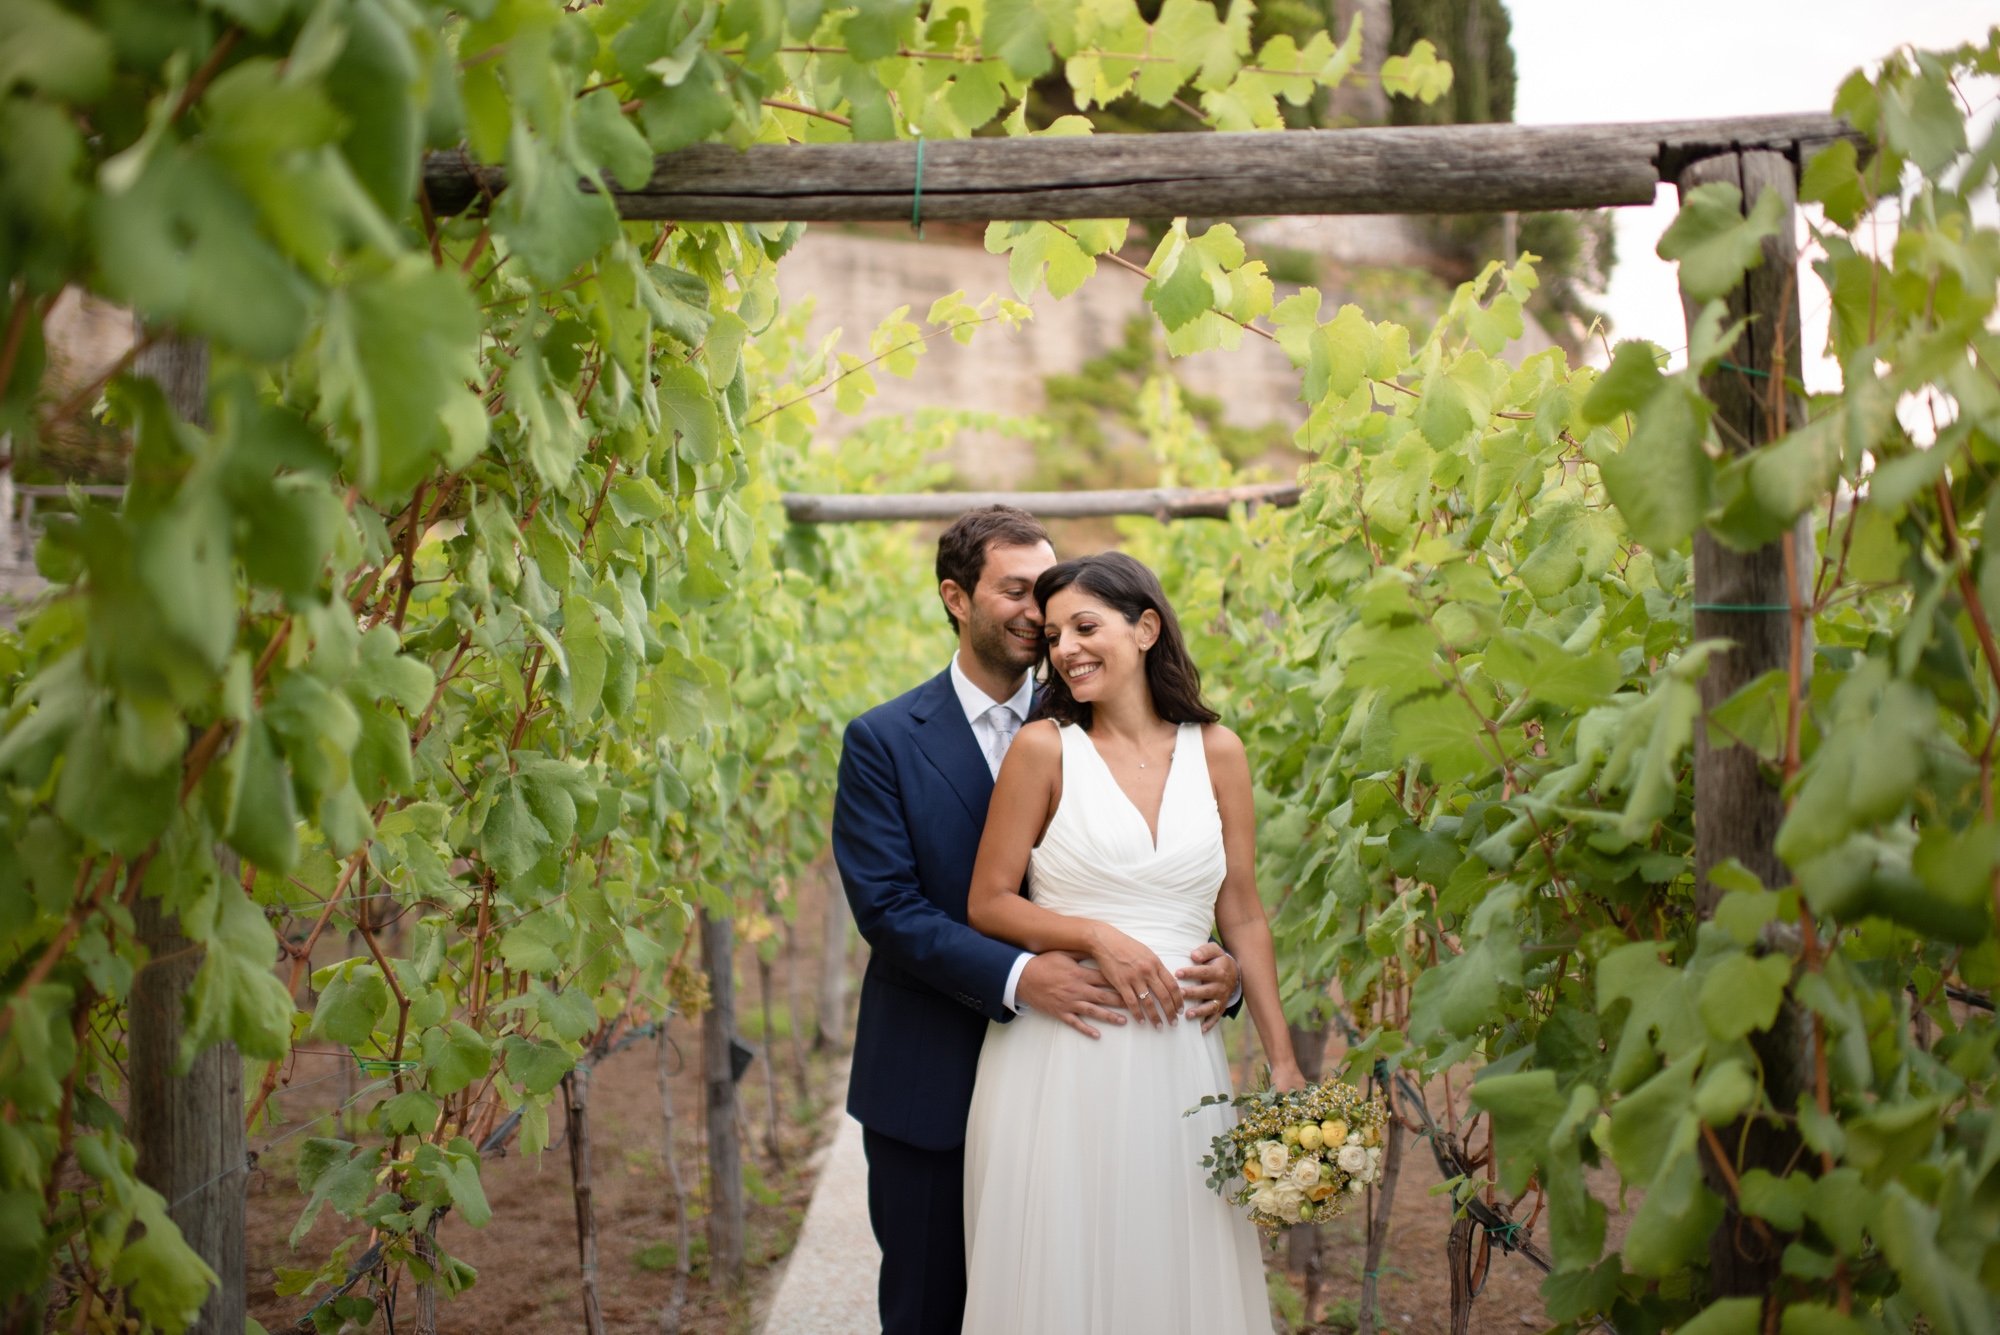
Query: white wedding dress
{"x": 1086, "y": 1205}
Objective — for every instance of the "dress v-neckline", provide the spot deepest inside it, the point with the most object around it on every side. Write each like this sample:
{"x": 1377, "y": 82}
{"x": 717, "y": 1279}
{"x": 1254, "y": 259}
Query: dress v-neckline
{"x": 1152, "y": 826}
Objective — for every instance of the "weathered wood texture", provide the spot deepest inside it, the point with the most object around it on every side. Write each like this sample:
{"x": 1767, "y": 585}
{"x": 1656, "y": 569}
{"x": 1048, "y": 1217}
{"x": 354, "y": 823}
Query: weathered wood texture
{"x": 1399, "y": 169}
{"x": 188, "y": 1126}
{"x": 576, "y": 1104}
{"x": 725, "y": 1147}
{"x": 832, "y": 1020}
{"x": 1160, "y": 502}
{"x": 1737, "y": 808}
{"x": 1737, "y": 811}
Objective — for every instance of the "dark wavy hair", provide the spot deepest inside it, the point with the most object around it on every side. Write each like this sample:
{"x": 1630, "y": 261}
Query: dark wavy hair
{"x": 1130, "y": 588}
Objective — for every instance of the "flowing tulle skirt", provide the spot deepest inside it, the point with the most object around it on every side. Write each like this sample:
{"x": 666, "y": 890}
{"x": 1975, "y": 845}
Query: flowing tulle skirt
{"x": 1087, "y": 1211}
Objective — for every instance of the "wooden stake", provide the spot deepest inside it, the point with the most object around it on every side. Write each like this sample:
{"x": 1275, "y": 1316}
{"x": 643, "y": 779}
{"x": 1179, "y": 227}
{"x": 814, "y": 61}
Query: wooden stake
{"x": 1737, "y": 809}
{"x": 725, "y": 1150}
{"x": 832, "y": 1035}
{"x": 796, "y": 1013}
{"x": 1382, "y": 1196}
{"x": 771, "y": 1145}
{"x": 670, "y": 1320}
{"x": 576, "y": 1102}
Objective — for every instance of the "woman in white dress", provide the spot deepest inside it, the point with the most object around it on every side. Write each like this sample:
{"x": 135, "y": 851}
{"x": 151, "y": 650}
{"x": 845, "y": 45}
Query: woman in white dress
{"x": 1129, "y": 810}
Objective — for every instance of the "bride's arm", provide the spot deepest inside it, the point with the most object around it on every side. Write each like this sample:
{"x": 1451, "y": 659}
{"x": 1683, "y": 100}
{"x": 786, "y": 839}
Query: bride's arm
{"x": 1239, "y": 911}
{"x": 1024, "y": 800}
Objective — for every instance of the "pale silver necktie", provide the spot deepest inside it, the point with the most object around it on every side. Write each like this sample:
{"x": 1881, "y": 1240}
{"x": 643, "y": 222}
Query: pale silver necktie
{"x": 1005, "y": 724}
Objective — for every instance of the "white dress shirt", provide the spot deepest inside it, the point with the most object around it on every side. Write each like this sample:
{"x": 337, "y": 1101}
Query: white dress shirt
{"x": 994, "y": 723}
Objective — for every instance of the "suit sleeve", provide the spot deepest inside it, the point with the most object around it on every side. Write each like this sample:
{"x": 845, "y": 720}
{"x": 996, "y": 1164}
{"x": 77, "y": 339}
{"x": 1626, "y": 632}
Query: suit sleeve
{"x": 878, "y": 868}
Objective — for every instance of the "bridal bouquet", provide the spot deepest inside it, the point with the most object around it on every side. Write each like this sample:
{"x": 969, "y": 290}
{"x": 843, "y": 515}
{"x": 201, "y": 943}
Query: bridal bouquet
{"x": 1298, "y": 1154}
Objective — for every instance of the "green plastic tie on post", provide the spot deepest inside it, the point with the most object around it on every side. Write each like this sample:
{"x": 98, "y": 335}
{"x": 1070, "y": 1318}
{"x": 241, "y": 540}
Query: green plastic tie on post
{"x": 1746, "y": 370}
{"x": 382, "y": 1065}
{"x": 917, "y": 195}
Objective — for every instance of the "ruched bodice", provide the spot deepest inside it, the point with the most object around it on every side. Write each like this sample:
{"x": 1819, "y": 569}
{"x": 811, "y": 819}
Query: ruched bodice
{"x": 1098, "y": 859}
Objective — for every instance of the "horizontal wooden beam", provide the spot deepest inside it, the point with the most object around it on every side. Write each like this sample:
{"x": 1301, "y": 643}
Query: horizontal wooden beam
{"x": 1397, "y": 169}
{"x": 1160, "y": 502}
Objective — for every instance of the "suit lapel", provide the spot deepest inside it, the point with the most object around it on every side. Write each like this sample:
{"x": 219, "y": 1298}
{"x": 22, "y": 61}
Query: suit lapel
{"x": 947, "y": 742}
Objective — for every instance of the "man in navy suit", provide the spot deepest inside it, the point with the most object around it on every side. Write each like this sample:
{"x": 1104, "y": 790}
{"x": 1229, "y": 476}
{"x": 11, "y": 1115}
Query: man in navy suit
{"x": 915, "y": 778}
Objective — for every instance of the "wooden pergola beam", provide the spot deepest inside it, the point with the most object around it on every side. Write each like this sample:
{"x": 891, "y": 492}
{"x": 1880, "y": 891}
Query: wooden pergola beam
{"x": 1160, "y": 502}
{"x": 1398, "y": 169}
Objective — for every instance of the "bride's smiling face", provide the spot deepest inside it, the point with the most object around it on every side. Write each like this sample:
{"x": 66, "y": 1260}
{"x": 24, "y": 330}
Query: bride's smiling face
{"x": 1095, "y": 649}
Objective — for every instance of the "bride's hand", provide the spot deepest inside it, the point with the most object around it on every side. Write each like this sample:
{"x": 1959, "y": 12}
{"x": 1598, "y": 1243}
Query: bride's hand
{"x": 1147, "y": 988}
{"x": 1287, "y": 1077}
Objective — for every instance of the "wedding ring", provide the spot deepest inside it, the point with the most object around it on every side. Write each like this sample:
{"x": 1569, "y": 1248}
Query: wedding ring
{"x": 1144, "y": 995}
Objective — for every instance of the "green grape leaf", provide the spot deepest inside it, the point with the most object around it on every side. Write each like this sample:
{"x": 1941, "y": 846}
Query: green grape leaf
{"x": 457, "y": 1055}
{"x": 351, "y": 1006}
{"x": 538, "y": 1066}
{"x": 1715, "y": 242}
{"x": 1741, "y": 994}
{"x": 335, "y": 1173}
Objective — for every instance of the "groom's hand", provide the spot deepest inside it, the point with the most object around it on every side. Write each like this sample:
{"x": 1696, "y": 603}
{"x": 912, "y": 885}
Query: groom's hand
{"x": 1055, "y": 984}
{"x": 1209, "y": 983}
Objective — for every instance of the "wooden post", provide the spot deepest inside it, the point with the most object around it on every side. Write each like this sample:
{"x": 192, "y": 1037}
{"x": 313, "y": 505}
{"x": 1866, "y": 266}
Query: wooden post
{"x": 187, "y": 1125}
{"x": 576, "y": 1102}
{"x": 725, "y": 1149}
{"x": 1458, "y": 1260}
{"x": 833, "y": 966}
{"x": 771, "y": 1145}
{"x": 670, "y": 1320}
{"x": 1737, "y": 811}
{"x": 1303, "y": 1242}
{"x": 1382, "y": 1198}
{"x": 796, "y": 1013}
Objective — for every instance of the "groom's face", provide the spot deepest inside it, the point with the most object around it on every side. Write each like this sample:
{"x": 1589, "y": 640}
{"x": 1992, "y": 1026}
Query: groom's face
{"x": 1000, "y": 623}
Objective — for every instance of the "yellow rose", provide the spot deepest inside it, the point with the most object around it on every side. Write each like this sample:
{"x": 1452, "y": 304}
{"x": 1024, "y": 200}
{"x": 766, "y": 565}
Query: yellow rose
{"x": 1332, "y": 1131}
{"x": 1309, "y": 1137}
{"x": 1251, "y": 1171}
{"x": 1371, "y": 1136}
{"x": 1322, "y": 1191}
{"x": 1291, "y": 1136}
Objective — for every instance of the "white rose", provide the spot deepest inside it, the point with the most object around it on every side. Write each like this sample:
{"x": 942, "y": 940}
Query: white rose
{"x": 1273, "y": 1158}
{"x": 1355, "y": 1187}
{"x": 1264, "y": 1200}
{"x": 1374, "y": 1155}
{"x": 1305, "y": 1174}
{"x": 1352, "y": 1159}
{"x": 1354, "y": 1137}
{"x": 1290, "y": 1198}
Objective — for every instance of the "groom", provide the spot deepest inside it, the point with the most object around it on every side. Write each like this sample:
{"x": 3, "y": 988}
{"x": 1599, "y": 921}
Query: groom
{"x": 915, "y": 778}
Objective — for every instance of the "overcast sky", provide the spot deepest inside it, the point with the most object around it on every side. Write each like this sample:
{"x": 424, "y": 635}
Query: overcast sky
{"x": 1618, "y": 60}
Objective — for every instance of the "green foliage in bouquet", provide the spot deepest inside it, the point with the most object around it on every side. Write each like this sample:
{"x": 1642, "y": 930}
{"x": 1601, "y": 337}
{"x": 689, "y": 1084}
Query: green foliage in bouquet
{"x": 1294, "y": 1156}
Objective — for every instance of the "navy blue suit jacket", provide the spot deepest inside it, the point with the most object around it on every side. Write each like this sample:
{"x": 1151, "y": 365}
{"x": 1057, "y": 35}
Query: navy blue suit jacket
{"x": 907, "y": 817}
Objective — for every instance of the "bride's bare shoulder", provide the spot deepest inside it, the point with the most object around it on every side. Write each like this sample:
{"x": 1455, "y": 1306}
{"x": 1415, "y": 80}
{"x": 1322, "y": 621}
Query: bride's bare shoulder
{"x": 1228, "y": 762}
{"x": 1219, "y": 743}
{"x": 1039, "y": 742}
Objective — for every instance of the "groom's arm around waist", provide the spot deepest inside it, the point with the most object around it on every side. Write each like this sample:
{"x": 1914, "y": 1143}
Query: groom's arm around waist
{"x": 878, "y": 867}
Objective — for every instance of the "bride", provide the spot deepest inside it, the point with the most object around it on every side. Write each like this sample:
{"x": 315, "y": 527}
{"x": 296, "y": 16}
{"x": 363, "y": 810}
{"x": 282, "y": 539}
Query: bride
{"x": 1128, "y": 808}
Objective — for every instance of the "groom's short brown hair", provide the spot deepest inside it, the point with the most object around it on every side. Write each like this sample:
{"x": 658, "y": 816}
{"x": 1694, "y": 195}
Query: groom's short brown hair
{"x": 962, "y": 548}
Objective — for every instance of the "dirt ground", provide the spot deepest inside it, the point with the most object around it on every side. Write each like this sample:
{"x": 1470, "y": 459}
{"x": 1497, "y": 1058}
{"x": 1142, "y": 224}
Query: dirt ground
{"x": 1414, "y": 1288}
{"x": 527, "y": 1257}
